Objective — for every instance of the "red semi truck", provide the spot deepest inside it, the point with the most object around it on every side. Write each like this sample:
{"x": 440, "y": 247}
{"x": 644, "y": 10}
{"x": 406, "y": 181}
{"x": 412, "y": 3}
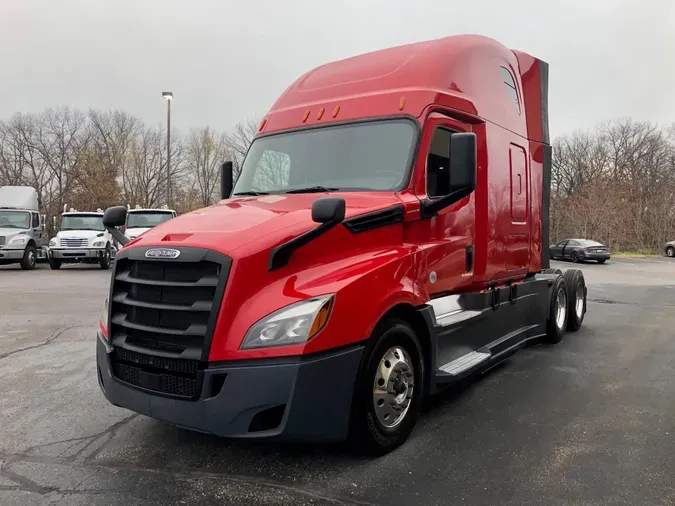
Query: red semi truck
{"x": 387, "y": 236}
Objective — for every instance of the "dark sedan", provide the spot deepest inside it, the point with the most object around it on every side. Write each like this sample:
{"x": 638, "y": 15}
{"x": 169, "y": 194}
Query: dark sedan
{"x": 579, "y": 250}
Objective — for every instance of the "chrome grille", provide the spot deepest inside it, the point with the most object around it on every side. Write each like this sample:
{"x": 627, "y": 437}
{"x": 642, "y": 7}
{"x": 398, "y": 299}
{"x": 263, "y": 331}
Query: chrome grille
{"x": 67, "y": 242}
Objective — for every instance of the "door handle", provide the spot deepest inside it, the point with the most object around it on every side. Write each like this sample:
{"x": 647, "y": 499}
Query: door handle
{"x": 520, "y": 184}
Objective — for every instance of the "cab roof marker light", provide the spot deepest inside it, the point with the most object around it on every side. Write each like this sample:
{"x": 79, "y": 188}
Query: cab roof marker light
{"x": 263, "y": 123}
{"x": 401, "y": 104}
{"x": 305, "y": 116}
{"x": 336, "y": 111}
{"x": 321, "y": 111}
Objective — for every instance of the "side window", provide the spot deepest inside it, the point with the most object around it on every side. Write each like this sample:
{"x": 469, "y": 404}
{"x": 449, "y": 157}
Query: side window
{"x": 273, "y": 171}
{"x": 36, "y": 220}
{"x": 573, "y": 243}
{"x": 510, "y": 87}
{"x": 438, "y": 163}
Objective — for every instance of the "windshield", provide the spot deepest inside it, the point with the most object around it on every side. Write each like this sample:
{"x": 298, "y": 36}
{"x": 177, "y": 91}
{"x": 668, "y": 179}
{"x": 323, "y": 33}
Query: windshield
{"x": 82, "y": 222}
{"x": 365, "y": 156}
{"x": 14, "y": 219}
{"x": 147, "y": 219}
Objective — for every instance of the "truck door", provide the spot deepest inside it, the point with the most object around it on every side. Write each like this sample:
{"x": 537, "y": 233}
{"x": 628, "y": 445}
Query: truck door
{"x": 36, "y": 229}
{"x": 447, "y": 261}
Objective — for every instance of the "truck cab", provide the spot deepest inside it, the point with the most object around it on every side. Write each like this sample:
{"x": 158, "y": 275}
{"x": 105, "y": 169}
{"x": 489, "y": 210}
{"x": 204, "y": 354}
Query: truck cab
{"x": 22, "y": 227}
{"x": 141, "y": 220}
{"x": 82, "y": 238}
{"x": 387, "y": 237}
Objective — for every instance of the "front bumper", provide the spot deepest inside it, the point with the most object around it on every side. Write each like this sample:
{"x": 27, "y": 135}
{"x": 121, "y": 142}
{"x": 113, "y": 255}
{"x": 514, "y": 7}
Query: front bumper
{"x": 295, "y": 399}
{"x": 11, "y": 254}
{"x": 76, "y": 253}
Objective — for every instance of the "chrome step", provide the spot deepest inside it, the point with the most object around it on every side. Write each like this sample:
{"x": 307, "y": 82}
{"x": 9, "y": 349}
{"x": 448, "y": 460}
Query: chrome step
{"x": 465, "y": 362}
{"x": 456, "y": 317}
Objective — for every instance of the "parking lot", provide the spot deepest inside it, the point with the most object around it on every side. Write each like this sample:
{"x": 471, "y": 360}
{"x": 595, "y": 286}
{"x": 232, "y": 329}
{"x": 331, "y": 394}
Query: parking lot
{"x": 590, "y": 421}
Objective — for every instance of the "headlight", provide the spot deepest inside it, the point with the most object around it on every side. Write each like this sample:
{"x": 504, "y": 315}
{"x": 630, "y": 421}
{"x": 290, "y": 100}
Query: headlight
{"x": 294, "y": 324}
{"x": 19, "y": 240}
{"x": 99, "y": 244}
{"x": 53, "y": 242}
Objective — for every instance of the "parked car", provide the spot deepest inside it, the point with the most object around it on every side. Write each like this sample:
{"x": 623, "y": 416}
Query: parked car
{"x": 579, "y": 250}
{"x": 670, "y": 249}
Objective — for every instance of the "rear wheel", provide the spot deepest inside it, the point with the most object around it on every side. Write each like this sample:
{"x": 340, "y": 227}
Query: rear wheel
{"x": 576, "y": 298}
{"x": 670, "y": 251}
{"x": 558, "y": 311}
{"x": 55, "y": 263}
{"x": 29, "y": 258}
{"x": 552, "y": 271}
{"x": 575, "y": 257}
{"x": 388, "y": 391}
{"x": 602, "y": 260}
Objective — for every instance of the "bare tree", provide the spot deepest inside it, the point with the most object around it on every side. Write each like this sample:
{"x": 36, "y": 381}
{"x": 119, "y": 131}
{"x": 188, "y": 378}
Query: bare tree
{"x": 240, "y": 140}
{"x": 205, "y": 151}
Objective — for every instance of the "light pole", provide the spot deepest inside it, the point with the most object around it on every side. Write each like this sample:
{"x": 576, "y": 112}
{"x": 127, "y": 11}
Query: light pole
{"x": 168, "y": 96}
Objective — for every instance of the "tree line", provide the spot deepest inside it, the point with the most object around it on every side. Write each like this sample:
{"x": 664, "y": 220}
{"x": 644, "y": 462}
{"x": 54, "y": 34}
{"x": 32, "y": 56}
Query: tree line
{"x": 615, "y": 183}
{"x": 95, "y": 159}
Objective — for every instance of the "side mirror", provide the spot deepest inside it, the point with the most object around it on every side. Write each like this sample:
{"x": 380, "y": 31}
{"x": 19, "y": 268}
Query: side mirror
{"x": 114, "y": 217}
{"x": 463, "y": 162}
{"x": 226, "y": 180}
{"x": 328, "y": 210}
{"x": 462, "y": 174}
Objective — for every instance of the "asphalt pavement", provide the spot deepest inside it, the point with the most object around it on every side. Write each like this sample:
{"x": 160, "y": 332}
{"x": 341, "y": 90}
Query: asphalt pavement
{"x": 589, "y": 421}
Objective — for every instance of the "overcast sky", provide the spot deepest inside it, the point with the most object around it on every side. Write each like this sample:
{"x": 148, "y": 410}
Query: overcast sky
{"x": 228, "y": 60}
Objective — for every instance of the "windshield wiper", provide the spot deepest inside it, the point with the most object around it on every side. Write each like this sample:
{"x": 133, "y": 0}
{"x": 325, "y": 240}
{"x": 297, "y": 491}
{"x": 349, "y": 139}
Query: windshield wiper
{"x": 312, "y": 189}
{"x": 252, "y": 193}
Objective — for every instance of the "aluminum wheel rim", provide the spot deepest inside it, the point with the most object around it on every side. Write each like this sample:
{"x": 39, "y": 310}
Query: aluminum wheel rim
{"x": 31, "y": 257}
{"x": 580, "y": 300}
{"x": 561, "y": 308}
{"x": 393, "y": 387}
{"x": 670, "y": 252}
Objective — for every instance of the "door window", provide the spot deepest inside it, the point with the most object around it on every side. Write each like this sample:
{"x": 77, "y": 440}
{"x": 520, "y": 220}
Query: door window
{"x": 438, "y": 164}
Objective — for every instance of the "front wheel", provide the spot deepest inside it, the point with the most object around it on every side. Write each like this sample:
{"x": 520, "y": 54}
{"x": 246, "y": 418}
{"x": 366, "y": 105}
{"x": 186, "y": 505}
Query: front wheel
{"x": 55, "y": 264}
{"x": 104, "y": 261}
{"x": 29, "y": 258}
{"x": 389, "y": 390}
{"x": 670, "y": 251}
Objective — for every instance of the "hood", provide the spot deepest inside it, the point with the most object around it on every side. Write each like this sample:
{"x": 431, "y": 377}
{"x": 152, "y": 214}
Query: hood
{"x": 136, "y": 231}
{"x": 9, "y": 233}
{"x": 264, "y": 221}
{"x": 78, "y": 234}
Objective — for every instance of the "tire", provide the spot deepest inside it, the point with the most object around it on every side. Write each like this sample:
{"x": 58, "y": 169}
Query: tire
{"x": 556, "y": 322}
{"x": 576, "y": 298}
{"x": 29, "y": 258}
{"x": 670, "y": 252}
{"x": 104, "y": 261}
{"x": 602, "y": 260}
{"x": 552, "y": 271}
{"x": 369, "y": 434}
{"x": 575, "y": 257}
{"x": 55, "y": 264}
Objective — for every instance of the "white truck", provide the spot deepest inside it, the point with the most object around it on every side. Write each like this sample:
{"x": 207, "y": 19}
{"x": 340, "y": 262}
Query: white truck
{"x": 22, "y": 227}
{"x": 141, "y": 220}
{"x": 82, "y": 238}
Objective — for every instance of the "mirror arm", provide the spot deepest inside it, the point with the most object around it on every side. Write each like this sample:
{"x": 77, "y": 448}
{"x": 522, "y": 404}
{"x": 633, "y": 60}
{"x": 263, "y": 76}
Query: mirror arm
{"x": 119, "y": 236}
{"x": 281, "y": 255}
{"x": 431, "y": 207}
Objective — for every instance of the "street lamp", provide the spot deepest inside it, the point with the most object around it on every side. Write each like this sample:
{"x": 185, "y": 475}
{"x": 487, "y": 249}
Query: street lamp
{"x": 168, "y": 96}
